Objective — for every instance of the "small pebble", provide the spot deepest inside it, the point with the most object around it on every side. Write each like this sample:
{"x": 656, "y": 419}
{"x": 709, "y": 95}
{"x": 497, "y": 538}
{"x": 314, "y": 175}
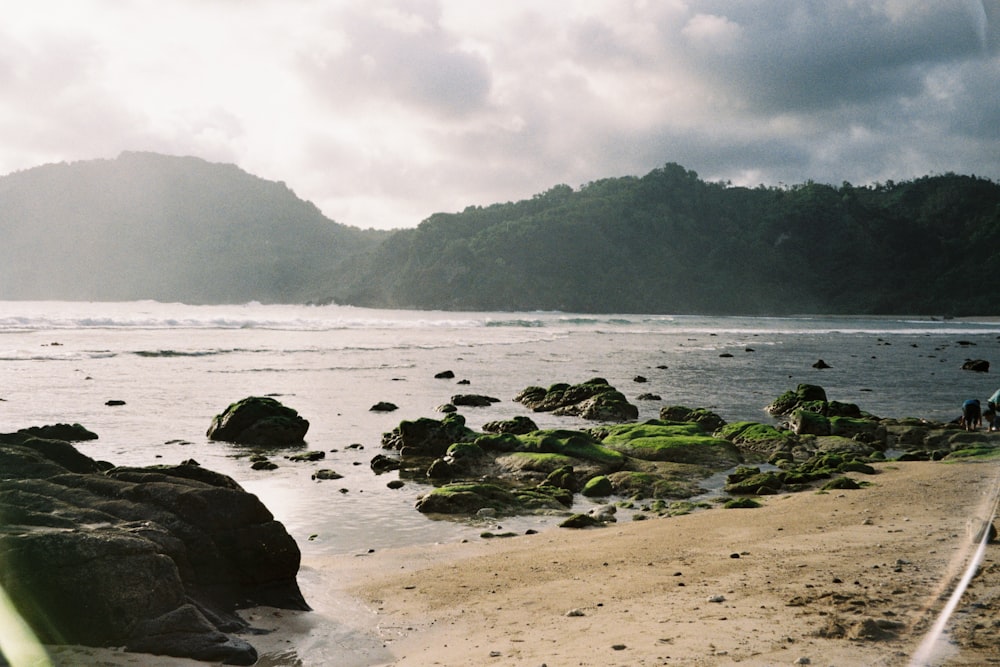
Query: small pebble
{"x": 619, "y": 647}
{"x": 717, "y": 598}
{"x": 575, "y": 612}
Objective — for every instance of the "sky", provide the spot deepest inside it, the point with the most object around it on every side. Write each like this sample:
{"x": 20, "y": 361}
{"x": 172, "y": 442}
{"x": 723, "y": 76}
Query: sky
{"x": 384, "y": 112}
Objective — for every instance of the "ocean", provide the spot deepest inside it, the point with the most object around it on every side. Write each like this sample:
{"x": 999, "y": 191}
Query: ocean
{"x": 175, "y": 366}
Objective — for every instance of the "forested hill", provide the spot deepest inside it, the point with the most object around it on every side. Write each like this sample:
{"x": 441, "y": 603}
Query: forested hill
{"x": 149, "y": 226}
{"x": 669, "y": 242}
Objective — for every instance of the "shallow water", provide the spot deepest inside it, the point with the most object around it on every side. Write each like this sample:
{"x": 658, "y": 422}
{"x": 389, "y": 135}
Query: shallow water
{"x": 176, "y": 366}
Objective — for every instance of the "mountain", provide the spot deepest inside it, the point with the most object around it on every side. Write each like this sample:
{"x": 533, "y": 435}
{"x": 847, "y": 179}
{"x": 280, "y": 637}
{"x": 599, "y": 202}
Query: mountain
{"x": 149, "y": 226}
{"x": 669, "y": 242}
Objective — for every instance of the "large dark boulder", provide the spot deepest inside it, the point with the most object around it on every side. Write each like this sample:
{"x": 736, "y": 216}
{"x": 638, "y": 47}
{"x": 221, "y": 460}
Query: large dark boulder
{"x": 154, "y": 559}
{"x": 260, "y": 421}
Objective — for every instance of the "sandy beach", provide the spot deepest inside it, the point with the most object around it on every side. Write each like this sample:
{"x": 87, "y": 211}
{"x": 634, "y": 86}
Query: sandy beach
{"x": 852, "y": 577}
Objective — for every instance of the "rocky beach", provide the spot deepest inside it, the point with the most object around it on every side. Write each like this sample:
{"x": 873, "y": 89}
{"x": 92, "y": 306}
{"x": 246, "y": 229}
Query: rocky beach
{"x": 726, "y": 497}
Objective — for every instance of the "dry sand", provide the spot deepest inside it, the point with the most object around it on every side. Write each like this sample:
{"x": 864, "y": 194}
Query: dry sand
{"x": 853, "y": 577}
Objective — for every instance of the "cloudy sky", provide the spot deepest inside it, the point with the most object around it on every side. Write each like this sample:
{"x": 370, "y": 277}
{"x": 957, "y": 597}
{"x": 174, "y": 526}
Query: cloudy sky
{"x": 384, "y": 112}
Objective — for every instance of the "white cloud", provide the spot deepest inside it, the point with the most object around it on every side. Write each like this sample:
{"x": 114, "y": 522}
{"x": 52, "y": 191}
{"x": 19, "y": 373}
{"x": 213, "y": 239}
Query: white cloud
{"x": 385, "y": 112}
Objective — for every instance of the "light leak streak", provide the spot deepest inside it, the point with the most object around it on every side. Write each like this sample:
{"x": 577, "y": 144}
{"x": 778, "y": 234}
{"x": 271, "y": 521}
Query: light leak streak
{"x": 929, "y": 652}
{"x": 18, "y": 643}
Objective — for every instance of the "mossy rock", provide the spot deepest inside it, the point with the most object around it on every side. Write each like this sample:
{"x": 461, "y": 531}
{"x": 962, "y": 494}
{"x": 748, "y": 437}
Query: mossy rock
{"x": 865, "y": 430}
{"x": 597, "y": 487}
{"x": 594, "y": 399}
{"x": 806, "y": 422}
{"x": 640, "y": 485}
{"x": 575, "y": 444}
{"x": 524, "y": 462}
{"x": 983, "y": 452}
{"x": 461, "y": 451}
{"x": 428, "y": 437}
{"x": 260, "y": 421}
{"x": 708, "y": 420}
{"x": 581, "y": 521}
{"x": 762, "y": 483}
{"x": 762, "y": 439}
{"x": 469, "y": 498}
{"x": 840, "y": 483}
{"x": 678, "y": 443}
{"x": 563, "y": 478}
{"x": 790, "y": 401}
{"x": 517, "y": 425}
{"x": 741, "y": 503}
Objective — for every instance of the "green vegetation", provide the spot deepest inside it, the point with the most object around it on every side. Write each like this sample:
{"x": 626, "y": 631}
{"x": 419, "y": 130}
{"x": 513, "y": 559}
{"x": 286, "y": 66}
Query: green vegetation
{"x": 147, "y": 226}
{"x": 669, "y": 242}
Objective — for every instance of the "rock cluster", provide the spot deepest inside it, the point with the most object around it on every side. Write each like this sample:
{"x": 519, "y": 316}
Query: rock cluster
{"x": 155, "y": 559}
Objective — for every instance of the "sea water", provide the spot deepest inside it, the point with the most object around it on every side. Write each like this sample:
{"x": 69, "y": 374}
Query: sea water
{"x": 176, "y": 366}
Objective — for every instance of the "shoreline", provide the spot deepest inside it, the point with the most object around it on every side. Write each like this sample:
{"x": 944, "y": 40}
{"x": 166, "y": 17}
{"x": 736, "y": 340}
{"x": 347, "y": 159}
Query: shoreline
{"x": 847, "y": 577}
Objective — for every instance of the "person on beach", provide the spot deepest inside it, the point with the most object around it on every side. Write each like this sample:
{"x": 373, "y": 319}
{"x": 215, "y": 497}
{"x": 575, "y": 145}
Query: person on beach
{"x": 991, "y": 406}
{"x": 972, "y": 415}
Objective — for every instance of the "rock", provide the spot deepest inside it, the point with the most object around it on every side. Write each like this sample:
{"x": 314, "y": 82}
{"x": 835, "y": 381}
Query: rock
{"x": 648, "y": 397}
{"x": 668, "y": 441}
{"x": 517, "y": 425}
{"x": 807, "y": 422}
{"x": 821, "y": 364}
{"x": 473, "y": 400}
{"x": 594, "y": 399}
{"x": 311, "y": 455}
{"x": 259, "y": 421}
{"x": 706, "y": 418}
{"x": 154, "y": 559}
{"x": 382, "y": 463}
{"x": 444, "y": 375}
{"x": 580, "y": 521}
{"x": 428, "y": 437}
{"x": 977, "y": 365}
{"x": 383, "y": 406}
{"x": 597, "y": 487}
{"x": 114, "y": 402}
{"x": 805, "y": 395}
{"x": 640, "y": 379}
{"x": 263, "y": 465}
{"x": 65, "y": 432}
{"x": 469, "y": 498}
{"x": 326, "y": 473}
